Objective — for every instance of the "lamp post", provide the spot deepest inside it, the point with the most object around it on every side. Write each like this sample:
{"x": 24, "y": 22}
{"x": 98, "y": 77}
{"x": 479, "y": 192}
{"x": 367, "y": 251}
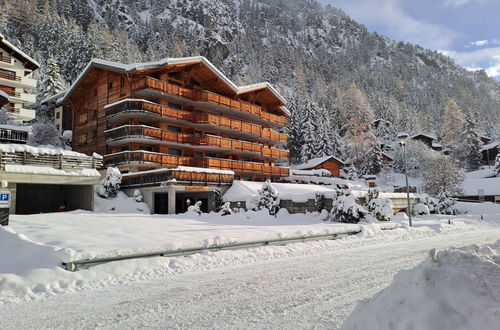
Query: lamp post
{"x": 403, "y": 137}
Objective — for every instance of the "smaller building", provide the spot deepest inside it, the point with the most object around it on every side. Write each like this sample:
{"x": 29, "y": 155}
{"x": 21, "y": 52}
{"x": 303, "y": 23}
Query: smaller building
{"x": 14, "y": 134}
{"x": 330, "y": 163}
{"x": 489, "y": 152}
{"x": 63, "y": 116}
{"x": 44, "y": 180}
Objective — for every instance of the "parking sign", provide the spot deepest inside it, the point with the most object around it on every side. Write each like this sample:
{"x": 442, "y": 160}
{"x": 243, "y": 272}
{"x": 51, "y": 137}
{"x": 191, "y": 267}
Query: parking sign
{"x": 4, "y": 199}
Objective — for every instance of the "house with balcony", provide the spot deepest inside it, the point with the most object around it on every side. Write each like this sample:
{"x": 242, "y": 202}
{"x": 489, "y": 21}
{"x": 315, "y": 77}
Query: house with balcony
{"x": 16, "y": 80}
{"x": 177, "y": 122}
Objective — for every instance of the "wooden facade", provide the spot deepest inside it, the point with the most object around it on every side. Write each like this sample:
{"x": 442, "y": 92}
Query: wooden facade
{"x": 180, "y": 114}
{"x": 329, "y": 163}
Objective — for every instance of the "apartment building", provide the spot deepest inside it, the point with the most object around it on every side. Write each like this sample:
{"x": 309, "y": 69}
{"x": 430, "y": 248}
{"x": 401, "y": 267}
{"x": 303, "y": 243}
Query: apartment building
{"x": 180, "y": 113}
{"x": 16, "y": 80}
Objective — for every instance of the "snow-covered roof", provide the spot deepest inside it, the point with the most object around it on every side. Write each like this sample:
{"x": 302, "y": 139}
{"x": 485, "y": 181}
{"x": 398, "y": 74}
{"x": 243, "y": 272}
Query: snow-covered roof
{"x": 45, "y": 170}
{"x": 424, "y": 135}
{"x": 16, "y": 128}
{"x": 11, "y": 147}
{"x": 489, "y": 186}
{"x": 54, "y": 97}
{"x": 18, "y": 52}
{"x": 244, "y": 190}
{"x": 436, "y": 145}
{"x": 491, "y": 145}
{"x": 320, "y": 172}
{"x": 120, "y": 67}
{"x": 315, "y": 162}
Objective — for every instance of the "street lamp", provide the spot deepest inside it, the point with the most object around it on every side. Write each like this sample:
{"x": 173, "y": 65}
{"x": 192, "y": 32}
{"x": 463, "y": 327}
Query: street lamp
{"x": 403, "y": 137}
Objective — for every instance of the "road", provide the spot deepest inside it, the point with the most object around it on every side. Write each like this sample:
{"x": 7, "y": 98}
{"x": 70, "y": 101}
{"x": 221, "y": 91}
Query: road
{"x": 312, "y": 291}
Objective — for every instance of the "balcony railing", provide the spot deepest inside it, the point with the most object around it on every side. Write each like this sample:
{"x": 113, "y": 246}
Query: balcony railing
{"x": 198, "y": 118}
{"x": 12, "y": 93}
{"x": 10, "y": 76}
{"x": 153, "y": 133}
{"x": 142, "y": 179}
{"x": 59, "y": 161}
{"x": 208, "y": 97}
{"x": 5, "y": 58}
{"x": 158, "y": 159}
{"x": 11, "y": 109}
{"x": 12, "y": 135}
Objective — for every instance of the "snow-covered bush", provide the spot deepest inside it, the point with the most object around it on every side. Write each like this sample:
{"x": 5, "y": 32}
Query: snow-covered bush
{"x": 421, "y": 209}
{"x": 44, "y": 132}
{"x": 218, "y": 202}
{"x": 345, "y": 208}
{"x": 110, "y": 185}
{"x": 225, "y": 209}
{"x": 446, "y": 204}
{"x": 372, "y": 194}
{"x": 324, "y": 215}
{"x": 196, "y": 208}
{"x": 430, "y": 202}
{"x": 319, "y": 201}
{"x": 269, "y": 198}
{"x": 138, "y": 196}
{"x": 4, "y": 116}
{"x": 381, "y": 208}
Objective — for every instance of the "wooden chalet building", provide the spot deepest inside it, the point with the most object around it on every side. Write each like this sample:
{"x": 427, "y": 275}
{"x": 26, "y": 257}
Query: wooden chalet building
{"x": 178, "y": 112}
{"x": 330, "y": 163}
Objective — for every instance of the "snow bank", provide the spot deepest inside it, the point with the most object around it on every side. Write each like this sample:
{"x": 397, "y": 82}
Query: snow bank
{"x": 30, "y": 169}
{"x": 40, "y": 150}
{"x": 452, "y": 289}
{"x": 119, "y": 204}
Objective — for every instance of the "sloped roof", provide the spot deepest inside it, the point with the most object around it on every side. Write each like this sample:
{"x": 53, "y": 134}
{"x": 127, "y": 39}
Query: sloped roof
{"x": 126, "y": 68}
{"x": 315, "y": 162}
{"x": 424, "y": 135}
{"x": 19, "y": 54}
{"x": 4, "y": 98}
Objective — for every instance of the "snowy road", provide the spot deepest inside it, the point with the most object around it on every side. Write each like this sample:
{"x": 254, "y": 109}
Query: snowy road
{"x": 312, "y": 291}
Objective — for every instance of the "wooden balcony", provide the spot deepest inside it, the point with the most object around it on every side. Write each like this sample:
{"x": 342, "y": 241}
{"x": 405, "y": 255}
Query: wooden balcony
{"x": 164, "y": 160}
{"x": 8, "y": 135}
{"x": 12, "y": 110}
{"x": 5, "y": 58}
{"x": 208, "y": 97}
{"x": 200, "y": 118}
{"x": 210, "y": 141}
{"x": 10, "y": 77}
{"x": 144, "y": 179}
{"x": 12, "y": 93}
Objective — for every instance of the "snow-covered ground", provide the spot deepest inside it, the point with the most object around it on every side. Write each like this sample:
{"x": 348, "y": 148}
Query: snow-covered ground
{"x": 319, "y": 283}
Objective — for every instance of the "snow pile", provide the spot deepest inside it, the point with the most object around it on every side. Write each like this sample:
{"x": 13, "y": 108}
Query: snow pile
{"x": 452, "y": 289}
{"x": 121, "y": 203}
{"x": 42, "y": 150}
{"x": 110, "y": 185}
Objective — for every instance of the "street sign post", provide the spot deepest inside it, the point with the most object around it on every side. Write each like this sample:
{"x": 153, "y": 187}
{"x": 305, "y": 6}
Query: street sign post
{"x": 4, "y": 208}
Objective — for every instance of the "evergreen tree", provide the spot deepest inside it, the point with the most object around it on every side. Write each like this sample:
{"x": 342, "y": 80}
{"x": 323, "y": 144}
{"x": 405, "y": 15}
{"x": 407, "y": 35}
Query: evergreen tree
{"x": 373, "y": 161}
{"x": 45, "y": 133}
{"x": 4, "y": 116}
{"x": 352, "y": 173}
{"x": 469, "y": 151}
{"x": 319, "y": 201}
{"x": 269, "y": 198}
{"x": 53, "y": 82}
{"x": 218, "y": 202}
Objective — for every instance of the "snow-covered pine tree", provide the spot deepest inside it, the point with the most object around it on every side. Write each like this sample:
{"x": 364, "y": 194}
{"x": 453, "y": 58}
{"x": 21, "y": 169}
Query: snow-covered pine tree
{"x": 196, "y": 208}
{"x": 345, "y": 208}
{"x": 44, "y": 133}
{"x": 319, "y": 201}
{"x": 138, "y": 196}
{"x": 324, "y": 141}
{"x": 469, "y": 152}
{"x": 218, "y": 199}
{"x": 225, "y": 209}
{"x": 352, "y": 173}
{"x": 52, "y": 82}
{"x": 380, "y": 208}
{"x": 386, "y": 135}
{"x": 446, "y": 204}
{"x": 497, "y": 164}
{"x": 110, "y": 185}
{"x": 4, "y": 116}
{"x": 269, "y": 198}
{"x": 309, "y": 147}
{"x": 373, "y": 161}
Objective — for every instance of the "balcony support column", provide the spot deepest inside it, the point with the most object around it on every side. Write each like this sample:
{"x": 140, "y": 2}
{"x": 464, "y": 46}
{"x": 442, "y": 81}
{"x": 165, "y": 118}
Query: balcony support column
{"x": 171, "y": 199}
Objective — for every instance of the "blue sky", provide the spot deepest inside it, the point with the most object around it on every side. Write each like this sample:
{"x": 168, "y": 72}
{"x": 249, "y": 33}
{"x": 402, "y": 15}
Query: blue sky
{"x": 466, "y": 30}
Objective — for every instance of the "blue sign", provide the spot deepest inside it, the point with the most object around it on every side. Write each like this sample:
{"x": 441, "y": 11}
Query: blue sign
{"x": 4, "y": 197}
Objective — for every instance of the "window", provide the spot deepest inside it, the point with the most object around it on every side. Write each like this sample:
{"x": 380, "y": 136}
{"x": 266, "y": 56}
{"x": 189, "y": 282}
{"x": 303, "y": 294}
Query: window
{"x": 198, "y": 155}
{"x": 7, "y": 74}
{"x": 211, "y": 155}
{"x": 174, "y": 129}
{"x": 110, "y": 85}
{"x": 58, "y": 114}
{"x": 174, "y": 82}
{"x": 122, "y": 86}
{"x": 175, "y": 106}
{"x": 146, "y": 148}
{"x": 174, "y": 151}
{"x": 125, "y": 148}
{"x": 57, "y": 126}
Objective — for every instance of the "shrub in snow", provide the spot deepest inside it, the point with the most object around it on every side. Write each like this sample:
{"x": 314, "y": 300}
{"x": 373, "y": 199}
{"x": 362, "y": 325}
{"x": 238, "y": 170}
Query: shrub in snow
{"x": 421, "y": 209}
{"x": 44, "y": 132}
{"x": 110, "y": 185}
{"x": 324, "y": 215}
{"x": 218, "y": 203}
{"x": 345, "y": 208}
{"x": 196, "y": 208}
{"x": 446, "y": 204}
{"x": 441, "y": 173}
{"x": 138, "y": 196}
{"x": 319, "y": 201}
{"x": 225, "y": 209}
{"x": 431, "y": 203}
{"x": 269, "y": 198}
{"x": 372, "y": 194}
{"x": 381, "y": 208}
